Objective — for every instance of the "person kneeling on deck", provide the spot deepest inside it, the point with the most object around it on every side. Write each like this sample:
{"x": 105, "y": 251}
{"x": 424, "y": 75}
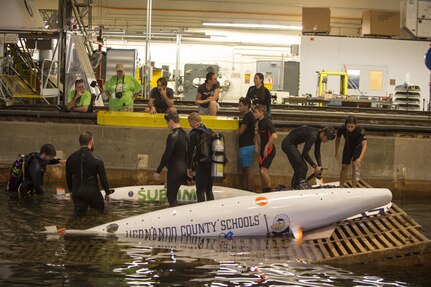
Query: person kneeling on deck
{"x": 355, "y": 146}
{"x": 161, "y": 98}
{"x": 79, "y": 99}
{"x": 199, "y": 156}
{"x": 208, "y": 94}
{"x": 174, "y": 158}
{"x": 308, "y": 136}
{"x": 82, "y": 169}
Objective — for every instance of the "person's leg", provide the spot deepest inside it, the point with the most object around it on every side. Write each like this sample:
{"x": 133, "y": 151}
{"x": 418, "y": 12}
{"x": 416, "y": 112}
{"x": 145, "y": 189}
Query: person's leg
{"x": 200, "y": 183}
{"x": 213, "y": 108}
{"x": 80, "y": 206}
{"x": 246, "y": 163}
{"x": 209, "y": 184}
{"x": 95, "y": 199}
{"x": 346, "y": 163}
{"x": 172, "y": 191}
{"x": 343, "y": 174}
{"x": 355, "y": 169}
{"x": 295, "y": 159}
{"x": 265, "y": 179}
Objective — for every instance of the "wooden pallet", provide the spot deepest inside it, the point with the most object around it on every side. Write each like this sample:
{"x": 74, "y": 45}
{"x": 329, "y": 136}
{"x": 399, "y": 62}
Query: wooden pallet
{"x": 380, "y": 238}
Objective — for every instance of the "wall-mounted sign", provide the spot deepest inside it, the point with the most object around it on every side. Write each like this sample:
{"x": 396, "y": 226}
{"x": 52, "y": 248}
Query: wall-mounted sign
{"x": 11, "y": 38}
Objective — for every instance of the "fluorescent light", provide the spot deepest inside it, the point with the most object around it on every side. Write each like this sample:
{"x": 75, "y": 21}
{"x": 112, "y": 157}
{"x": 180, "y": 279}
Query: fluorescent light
{"x": 251, "y": 25}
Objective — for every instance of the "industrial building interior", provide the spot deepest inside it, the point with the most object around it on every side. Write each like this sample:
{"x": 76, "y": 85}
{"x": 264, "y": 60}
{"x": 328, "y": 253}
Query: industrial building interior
{"x": 234, "y": 38}
{"x": 323, "y": 62}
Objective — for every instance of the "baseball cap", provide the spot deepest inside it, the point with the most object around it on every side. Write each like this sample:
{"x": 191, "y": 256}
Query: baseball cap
{"x": 119, "y": 67}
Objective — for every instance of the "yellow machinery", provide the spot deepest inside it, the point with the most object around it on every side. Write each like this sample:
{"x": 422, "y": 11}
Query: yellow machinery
{"x": 323, "y": 82}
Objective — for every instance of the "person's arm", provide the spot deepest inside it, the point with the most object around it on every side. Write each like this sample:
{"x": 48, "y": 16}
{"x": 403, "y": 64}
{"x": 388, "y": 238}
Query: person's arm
{"x": 137, "y": 87}
{"x": 363, "y": 151}
{"x": 69, "y": 177}
{"x": 72, "y": 103}
{"x": 317, "y": 155}
{"x": 337, "y": 145}
{"x": 191, "y": 149}
{"x": 241, "y": 130}
{"x": 257, "y": 138}
{"x": 271, "y": 141}
{"x": 151, "y": 106}
{"x": 167, "y": 96}
{"x": 268, "y": 101}
{"x": 305, "y": 152}
{"x": 216, "y": 94}
{"x": 198, "y": 98}
{"x": 169, "y": 150}
{"x": 36, "y": 175}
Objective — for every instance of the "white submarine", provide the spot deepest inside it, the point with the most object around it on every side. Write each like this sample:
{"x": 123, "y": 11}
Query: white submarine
{"x": 312, "y": 211}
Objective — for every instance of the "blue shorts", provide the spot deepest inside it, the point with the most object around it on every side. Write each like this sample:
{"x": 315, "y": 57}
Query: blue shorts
{"x": 246, "y": 156}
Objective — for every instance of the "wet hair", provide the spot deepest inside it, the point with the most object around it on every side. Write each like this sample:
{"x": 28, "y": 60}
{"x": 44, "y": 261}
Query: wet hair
{"x": 48, "y": 149}
{"x": 245, "y": 101}
{"x": 260, "y": 108}
{"x": 209, "y": 76}
{"x": 162, "y": 81}
{"x": 350, "y": 120}
{"x": 195, "y": 117}
{"x": 85, "y": 138}
{"x": 329, "y": 132}
{"x": 260, "y": 76}
{"x": 170, "y": 116}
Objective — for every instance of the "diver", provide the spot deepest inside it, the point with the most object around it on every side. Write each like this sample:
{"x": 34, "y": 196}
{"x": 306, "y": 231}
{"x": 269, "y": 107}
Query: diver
{"x": 199, "y": 157}
{"x": 174, "y": 158}
{"x": 82, "y": 169}
{"x": 309, "y": 136}
{"x": 35, "y": 168}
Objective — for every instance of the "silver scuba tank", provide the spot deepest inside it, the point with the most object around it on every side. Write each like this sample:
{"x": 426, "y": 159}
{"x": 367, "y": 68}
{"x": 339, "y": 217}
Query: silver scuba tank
{"x": 217, "y": 157}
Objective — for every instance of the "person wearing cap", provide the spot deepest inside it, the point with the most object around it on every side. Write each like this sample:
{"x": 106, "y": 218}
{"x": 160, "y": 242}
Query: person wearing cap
{"x": 161, "y": 98}
{"x": 79, "y": 99}
{"x": 122, "y": 90}
{"x": 355, "y": 146}
{"x": 308, "y": 136}
{"x": 174, "y": 158}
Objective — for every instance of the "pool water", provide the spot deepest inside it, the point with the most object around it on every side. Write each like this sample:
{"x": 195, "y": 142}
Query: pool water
{"x": 29, "y": 258}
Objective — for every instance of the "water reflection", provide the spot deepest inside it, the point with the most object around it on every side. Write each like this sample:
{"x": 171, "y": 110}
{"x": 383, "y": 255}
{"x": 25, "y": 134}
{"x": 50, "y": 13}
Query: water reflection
{"x": 27, "y": 258}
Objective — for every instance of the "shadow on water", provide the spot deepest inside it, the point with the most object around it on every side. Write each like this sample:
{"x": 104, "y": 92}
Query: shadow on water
{"x": 28, "y": 258}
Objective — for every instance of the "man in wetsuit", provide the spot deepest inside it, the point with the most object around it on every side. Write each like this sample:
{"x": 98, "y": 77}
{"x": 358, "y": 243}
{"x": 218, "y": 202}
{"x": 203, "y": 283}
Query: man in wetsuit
{"x": 308, "y": 136}
{"x": 36, "y": 167}
{"x": 264, "y": 144}
{"x": 82, "y": 169}
{"x": 174, "y": 158}
{"x": 199, "y": 156}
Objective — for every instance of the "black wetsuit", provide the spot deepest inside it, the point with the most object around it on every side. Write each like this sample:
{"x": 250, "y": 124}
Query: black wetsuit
{"x": 34, "y": 172}
{"x": 200, "y": 155}
{"x": 260, "y": 96}
{"x": 82, "y": 169}
{"x": 175, "y": 159}
{"x": 309, "y": 136}
{"x": 265, "y": 130}
{"x": 353, "y": 144}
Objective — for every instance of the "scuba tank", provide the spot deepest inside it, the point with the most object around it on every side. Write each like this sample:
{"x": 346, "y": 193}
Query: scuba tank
{"x": 16, "y": 174}
{"x": 217, "y": 157}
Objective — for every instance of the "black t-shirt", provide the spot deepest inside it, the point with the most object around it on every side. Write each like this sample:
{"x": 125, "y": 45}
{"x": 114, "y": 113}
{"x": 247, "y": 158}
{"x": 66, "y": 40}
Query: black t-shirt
{"x": 265, "y": 130}
{"x": 159, "y": 101}
{"x": 202, "y": 89}
{"x": 353, "y": 139}
{"x": 262, "y": 95}
{"x": 247, "y": 138}
{"x": 309, "y": 136}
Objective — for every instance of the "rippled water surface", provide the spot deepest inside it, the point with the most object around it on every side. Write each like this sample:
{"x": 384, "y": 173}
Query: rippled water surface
{"x": 29, "y": 258}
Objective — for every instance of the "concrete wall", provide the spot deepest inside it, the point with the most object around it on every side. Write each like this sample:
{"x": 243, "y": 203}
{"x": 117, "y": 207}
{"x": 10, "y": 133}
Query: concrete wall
{"x": 131, "y": 154}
